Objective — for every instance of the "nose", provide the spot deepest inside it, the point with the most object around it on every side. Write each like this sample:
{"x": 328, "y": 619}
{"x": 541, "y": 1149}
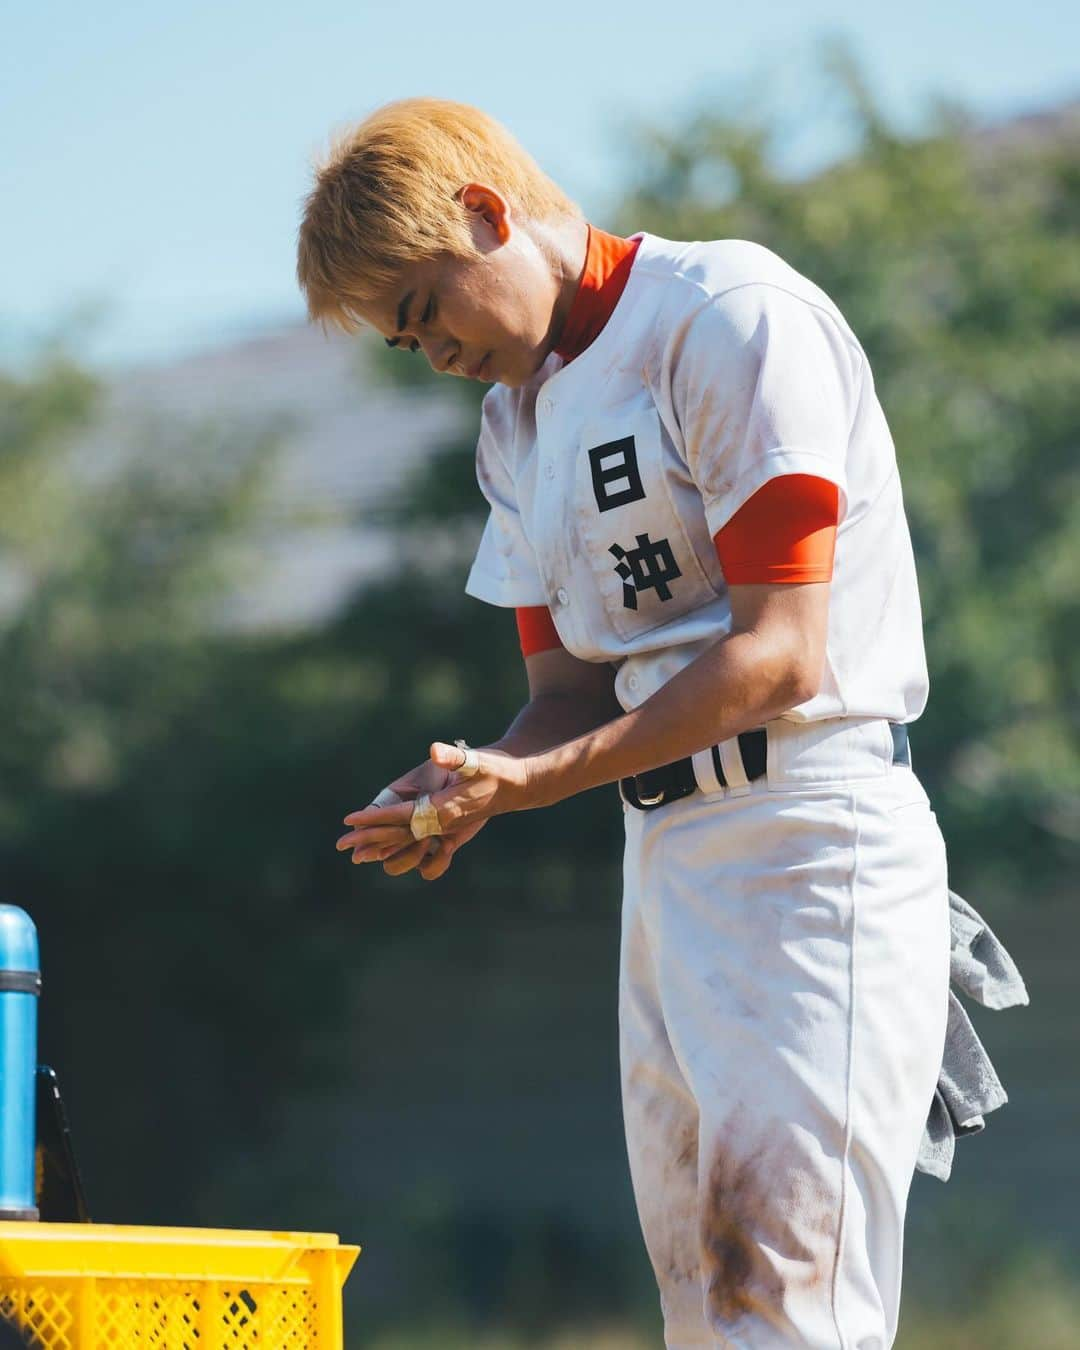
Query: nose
{"x": 440, "y": 352}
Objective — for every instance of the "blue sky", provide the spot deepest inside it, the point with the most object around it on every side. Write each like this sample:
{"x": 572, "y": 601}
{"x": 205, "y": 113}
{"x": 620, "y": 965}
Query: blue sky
{"x": 154, "y": 157}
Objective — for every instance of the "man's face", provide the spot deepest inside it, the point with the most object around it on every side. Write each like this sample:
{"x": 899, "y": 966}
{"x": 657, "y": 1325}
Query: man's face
{"x": 485, "y": 318}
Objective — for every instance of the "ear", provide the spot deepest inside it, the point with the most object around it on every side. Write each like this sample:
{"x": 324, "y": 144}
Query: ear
{"x": 492, "y": 208}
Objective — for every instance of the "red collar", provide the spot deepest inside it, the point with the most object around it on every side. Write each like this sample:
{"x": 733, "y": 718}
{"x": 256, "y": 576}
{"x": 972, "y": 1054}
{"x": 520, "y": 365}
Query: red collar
{"x": 608, "y": 260}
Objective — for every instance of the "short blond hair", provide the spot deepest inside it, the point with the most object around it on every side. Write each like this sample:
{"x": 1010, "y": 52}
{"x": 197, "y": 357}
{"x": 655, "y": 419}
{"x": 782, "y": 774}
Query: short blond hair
{"x": 384, "y": 197}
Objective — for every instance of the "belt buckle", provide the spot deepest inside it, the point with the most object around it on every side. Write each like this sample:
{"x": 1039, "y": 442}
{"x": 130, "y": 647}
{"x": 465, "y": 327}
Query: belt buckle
{"x": 658, "y": 800}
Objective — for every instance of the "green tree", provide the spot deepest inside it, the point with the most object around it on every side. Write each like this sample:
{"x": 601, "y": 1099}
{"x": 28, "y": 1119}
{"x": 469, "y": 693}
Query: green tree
{"x": 136, "y": 734}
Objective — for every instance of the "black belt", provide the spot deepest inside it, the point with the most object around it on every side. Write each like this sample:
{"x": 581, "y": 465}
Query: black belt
{"x": 669, "y": 782}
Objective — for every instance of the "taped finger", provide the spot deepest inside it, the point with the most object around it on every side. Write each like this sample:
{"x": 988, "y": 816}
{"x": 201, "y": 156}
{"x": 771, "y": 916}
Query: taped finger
{"x": 425, "y": 817}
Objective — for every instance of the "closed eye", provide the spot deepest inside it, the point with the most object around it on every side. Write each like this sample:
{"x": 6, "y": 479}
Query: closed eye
{"x": 426, "y": 317}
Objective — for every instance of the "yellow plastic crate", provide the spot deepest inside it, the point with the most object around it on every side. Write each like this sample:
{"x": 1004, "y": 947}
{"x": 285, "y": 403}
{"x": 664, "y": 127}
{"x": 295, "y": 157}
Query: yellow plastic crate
{"x": 71, "y": 1286}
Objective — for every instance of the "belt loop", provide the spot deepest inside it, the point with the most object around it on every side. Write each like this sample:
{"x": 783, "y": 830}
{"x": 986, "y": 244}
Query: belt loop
{"x": 734, "y": 769}
{"x": 901, "y": 744}
{"x": 705, "y": 771}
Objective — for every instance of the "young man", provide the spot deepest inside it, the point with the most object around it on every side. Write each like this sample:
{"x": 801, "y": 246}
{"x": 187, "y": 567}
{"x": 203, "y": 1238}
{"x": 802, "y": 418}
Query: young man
{"x": 696, "y": 514}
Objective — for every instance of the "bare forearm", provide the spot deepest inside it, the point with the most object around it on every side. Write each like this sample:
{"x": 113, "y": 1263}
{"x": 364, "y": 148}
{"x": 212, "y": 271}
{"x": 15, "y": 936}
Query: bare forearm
{"x": 737, "y": 684}
{"x": 550, "y": 719}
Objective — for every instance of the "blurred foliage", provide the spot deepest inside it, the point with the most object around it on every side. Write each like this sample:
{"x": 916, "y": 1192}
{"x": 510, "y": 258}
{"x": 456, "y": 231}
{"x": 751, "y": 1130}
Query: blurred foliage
{"x": 1034, "y": 1302}
{"x": 132, "y": 736}
{"x": 170, "y": 792}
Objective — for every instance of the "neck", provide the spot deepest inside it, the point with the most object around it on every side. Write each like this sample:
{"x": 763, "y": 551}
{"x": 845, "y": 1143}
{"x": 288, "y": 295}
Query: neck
{"x": 565, "y": 245}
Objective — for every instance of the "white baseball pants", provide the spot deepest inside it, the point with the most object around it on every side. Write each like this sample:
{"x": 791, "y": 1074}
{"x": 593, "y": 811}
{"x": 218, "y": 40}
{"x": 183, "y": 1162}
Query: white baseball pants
{"x": 782, "y": 1001}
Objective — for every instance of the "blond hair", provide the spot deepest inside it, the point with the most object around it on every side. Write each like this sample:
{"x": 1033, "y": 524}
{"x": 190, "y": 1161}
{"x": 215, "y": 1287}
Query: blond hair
{"x": 385, "y": 197}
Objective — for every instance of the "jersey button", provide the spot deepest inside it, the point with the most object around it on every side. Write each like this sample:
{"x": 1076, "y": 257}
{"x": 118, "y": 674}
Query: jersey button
{"x": 549, "y": 470}
{"x": 632, "y": 682}
{"x": 562, "y": 595}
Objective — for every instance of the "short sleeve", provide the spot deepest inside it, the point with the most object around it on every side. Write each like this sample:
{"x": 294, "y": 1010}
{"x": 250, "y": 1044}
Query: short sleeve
{"x": 763, "y": 384}
{"x": 504, "y": 571}
{"x": 536, "y": 629}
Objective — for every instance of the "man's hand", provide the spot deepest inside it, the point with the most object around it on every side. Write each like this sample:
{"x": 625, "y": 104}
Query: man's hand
{"x": 431, "y": 857}
{"x": 463, "y": 806}
{"x": 566, "y": 697}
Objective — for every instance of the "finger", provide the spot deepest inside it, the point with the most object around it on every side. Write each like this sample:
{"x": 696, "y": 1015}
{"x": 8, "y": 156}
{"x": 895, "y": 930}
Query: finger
{"x": 379, "y": 852}
{"x": 396, "y": 814}
{"x": 405, "y": 859}
{"x": 437, "y": 864}
{"x": 411, "y": 784}
{"x": 375, "y": 834}
{"x": 375, "y": 852}
{"x": 446, "y": 756}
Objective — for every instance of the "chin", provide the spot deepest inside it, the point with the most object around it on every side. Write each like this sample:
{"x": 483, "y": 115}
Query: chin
{"x": 518, "y": 378}
{"x": 512, "y": 375}
{"x": 505, "y": 374}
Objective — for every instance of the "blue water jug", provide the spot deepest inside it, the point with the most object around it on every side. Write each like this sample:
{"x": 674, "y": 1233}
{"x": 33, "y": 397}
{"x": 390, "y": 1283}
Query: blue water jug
{"x": 20, "y": 985}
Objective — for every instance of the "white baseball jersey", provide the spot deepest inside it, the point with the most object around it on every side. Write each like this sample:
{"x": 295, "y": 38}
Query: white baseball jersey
{"x": 720, "y": 368}
{"x": 785, "y": 949}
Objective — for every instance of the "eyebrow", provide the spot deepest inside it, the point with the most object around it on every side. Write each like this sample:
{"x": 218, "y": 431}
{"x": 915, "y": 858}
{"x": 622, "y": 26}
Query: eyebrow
{"x": 402, "y": 317}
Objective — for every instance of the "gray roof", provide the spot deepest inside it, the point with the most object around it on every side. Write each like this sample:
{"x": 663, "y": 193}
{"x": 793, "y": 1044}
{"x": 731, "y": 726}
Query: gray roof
{"x": 348, "y": 440}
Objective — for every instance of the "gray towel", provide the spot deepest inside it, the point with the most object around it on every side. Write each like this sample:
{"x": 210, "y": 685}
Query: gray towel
{"x": 968, "y": 1088}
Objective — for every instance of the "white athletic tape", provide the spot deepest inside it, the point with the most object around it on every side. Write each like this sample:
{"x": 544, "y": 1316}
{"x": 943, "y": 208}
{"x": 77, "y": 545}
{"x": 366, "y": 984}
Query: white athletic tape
{"x": 425, "y": 818}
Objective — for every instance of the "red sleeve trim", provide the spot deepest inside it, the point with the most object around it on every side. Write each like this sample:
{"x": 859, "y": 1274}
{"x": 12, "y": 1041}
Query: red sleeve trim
{"x": 786, "y": 532}
{"x": 536, "y": 629}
